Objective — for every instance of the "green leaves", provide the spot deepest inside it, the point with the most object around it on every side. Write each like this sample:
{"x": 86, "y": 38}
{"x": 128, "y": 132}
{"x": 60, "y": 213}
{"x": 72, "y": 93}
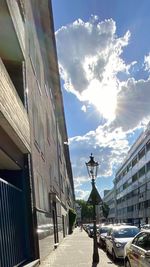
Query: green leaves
{"x": 105, "y": 209}
{"x": 86, "y": 210}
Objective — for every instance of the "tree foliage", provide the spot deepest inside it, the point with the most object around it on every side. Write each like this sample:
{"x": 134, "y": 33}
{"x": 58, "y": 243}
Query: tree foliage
{"x": 105, "y": 209}
{"x": 72, "y": 218}
{"x": 86, "y": 210}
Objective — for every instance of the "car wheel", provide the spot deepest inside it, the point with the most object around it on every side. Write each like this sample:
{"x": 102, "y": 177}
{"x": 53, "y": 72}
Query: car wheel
{"x": 127, "y": 263}
{"x": 114, "y": 255}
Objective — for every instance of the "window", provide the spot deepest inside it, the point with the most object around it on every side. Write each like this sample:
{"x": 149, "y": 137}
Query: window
{"x": 142, "y": 153}
{"x": 134, "y": 161}
{"x": 130, "y": 208}
{"x": 134, "y": 177}
{"x": 143, "y": 241}
{"x": 148, "y": 186}
{"x": 129, "y": 166}
{"x": 125, "y": 185}
{"x": 125, "y": 232}
{"x": 148, "y": 166}
{"x": 43, "y": 194}
{"x": 142, "y": 171}
{"x": 148, "y": 146}
{"x": 35, "y": 113}
{"x": 135, "y": 192}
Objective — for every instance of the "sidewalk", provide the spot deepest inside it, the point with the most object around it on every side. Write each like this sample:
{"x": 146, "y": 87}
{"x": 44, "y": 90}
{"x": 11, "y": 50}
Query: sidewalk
{"x": 75, "y": 250}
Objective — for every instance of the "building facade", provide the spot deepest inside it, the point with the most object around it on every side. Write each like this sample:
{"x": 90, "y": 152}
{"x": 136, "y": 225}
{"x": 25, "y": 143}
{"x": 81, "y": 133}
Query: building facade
{"x": 109, "y": 199}
{"x": 132, "y": 183}
{"x": 35, "y": 171}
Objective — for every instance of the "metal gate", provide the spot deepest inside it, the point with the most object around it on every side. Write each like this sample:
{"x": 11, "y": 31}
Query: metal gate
{"x": 12, "y": 230}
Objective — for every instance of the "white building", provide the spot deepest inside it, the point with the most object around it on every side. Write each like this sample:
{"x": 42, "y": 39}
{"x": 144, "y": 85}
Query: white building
{"x": 132, "y": 183}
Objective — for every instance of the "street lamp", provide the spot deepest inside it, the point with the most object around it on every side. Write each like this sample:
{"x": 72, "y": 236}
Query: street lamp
{"x": 94, "y": 199}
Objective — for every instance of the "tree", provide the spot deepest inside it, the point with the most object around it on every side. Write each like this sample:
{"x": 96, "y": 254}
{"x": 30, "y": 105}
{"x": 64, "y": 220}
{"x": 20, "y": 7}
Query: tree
{"x": 72, "y": 218}
{"x": 86, "y": 210}
{"x": 105, "y": 209}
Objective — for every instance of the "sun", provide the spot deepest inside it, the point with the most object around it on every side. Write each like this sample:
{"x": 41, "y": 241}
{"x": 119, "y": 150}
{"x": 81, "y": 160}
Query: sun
{"x": 103, "y": 97}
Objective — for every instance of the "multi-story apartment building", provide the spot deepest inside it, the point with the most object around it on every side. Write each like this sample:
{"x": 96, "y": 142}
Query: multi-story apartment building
{"x": 109, "y": 199}
{"x": 132, "y": 183}
{"x": 36, "y": 181}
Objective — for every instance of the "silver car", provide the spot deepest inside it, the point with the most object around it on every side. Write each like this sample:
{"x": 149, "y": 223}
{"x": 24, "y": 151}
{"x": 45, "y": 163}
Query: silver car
{"x": 117, "y": 238}
{"x": 103, "y": 230}
{"x": 137, "y": 251}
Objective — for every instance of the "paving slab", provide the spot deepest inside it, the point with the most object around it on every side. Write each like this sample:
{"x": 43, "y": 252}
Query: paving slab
{"x": 76, "y": 250}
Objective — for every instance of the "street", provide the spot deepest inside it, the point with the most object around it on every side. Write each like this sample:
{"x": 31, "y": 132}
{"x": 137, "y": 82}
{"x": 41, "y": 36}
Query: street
{"x": 76, "y": 250}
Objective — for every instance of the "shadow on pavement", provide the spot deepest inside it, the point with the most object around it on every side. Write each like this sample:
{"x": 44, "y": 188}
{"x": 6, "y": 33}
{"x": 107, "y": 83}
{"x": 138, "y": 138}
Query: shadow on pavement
{"x": 117, "y": 263}
{"x": 94, "y": 264}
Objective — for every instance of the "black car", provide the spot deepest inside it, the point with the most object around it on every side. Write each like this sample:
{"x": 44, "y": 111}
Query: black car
{"x": 90, "y": 230}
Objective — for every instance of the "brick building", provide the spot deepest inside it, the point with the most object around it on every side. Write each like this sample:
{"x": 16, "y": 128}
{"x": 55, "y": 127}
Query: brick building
{"x": 36, "y": 180}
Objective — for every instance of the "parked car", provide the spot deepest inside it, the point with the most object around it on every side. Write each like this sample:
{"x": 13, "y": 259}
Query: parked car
{"x": 137, "y": 251}
{"x": 101, "y": 239}
{"x": 90, "y": 230}
{"x": 87, "y": 226}
{"x": 117, "y": 237}
{"x": 145, "y": 227}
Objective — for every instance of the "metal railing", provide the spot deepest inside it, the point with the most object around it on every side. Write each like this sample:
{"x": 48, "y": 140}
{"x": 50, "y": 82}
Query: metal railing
{"x": 12, "y": 233}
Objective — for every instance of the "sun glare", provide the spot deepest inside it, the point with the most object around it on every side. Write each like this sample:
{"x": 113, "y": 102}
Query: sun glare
{"x": 104, "y": 98}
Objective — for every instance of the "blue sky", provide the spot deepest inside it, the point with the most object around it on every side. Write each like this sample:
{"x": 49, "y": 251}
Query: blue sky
{"x": 103, "y": 49}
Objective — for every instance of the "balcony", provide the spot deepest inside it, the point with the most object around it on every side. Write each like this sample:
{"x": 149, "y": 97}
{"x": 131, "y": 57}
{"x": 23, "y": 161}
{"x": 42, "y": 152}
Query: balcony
{"x": 17, "y": 17}
{"x": 13, "y": 115}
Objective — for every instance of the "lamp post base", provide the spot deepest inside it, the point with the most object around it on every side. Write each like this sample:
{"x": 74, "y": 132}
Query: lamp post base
{"x": 95, "y": 258}
{"x": 95, "y": 248}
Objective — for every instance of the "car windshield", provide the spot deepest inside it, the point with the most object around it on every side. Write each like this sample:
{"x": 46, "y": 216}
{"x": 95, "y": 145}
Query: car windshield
{"x": 125, "y": 232}
{"x": 104, "y": 230}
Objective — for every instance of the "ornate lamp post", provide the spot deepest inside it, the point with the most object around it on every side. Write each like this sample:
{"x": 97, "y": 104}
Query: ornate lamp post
{"x": 94, "y": 199}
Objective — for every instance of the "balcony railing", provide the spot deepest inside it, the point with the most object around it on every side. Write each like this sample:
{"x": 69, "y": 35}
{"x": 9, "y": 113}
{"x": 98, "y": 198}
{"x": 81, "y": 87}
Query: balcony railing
{"x": 13, "y": 115}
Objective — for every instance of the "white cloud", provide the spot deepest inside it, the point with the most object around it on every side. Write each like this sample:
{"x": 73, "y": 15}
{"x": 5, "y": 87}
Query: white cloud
{"x": 109, "y": 148}
{"x": 132, "y": 104}
{"x": 147, "y": 62}
{"x": 90, "y": 63}
{"x": 83, "y": 108}
{"x": 79, "y": 181}
{"x": 82, "y": 194}
{"x": 90, "y": 58}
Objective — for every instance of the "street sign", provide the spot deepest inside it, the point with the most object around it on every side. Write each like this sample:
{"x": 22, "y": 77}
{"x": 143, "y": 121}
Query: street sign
{"x": 94, "y": 197}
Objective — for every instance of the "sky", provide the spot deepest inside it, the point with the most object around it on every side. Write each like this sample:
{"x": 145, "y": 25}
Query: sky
{"x": 103, "y": 49}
